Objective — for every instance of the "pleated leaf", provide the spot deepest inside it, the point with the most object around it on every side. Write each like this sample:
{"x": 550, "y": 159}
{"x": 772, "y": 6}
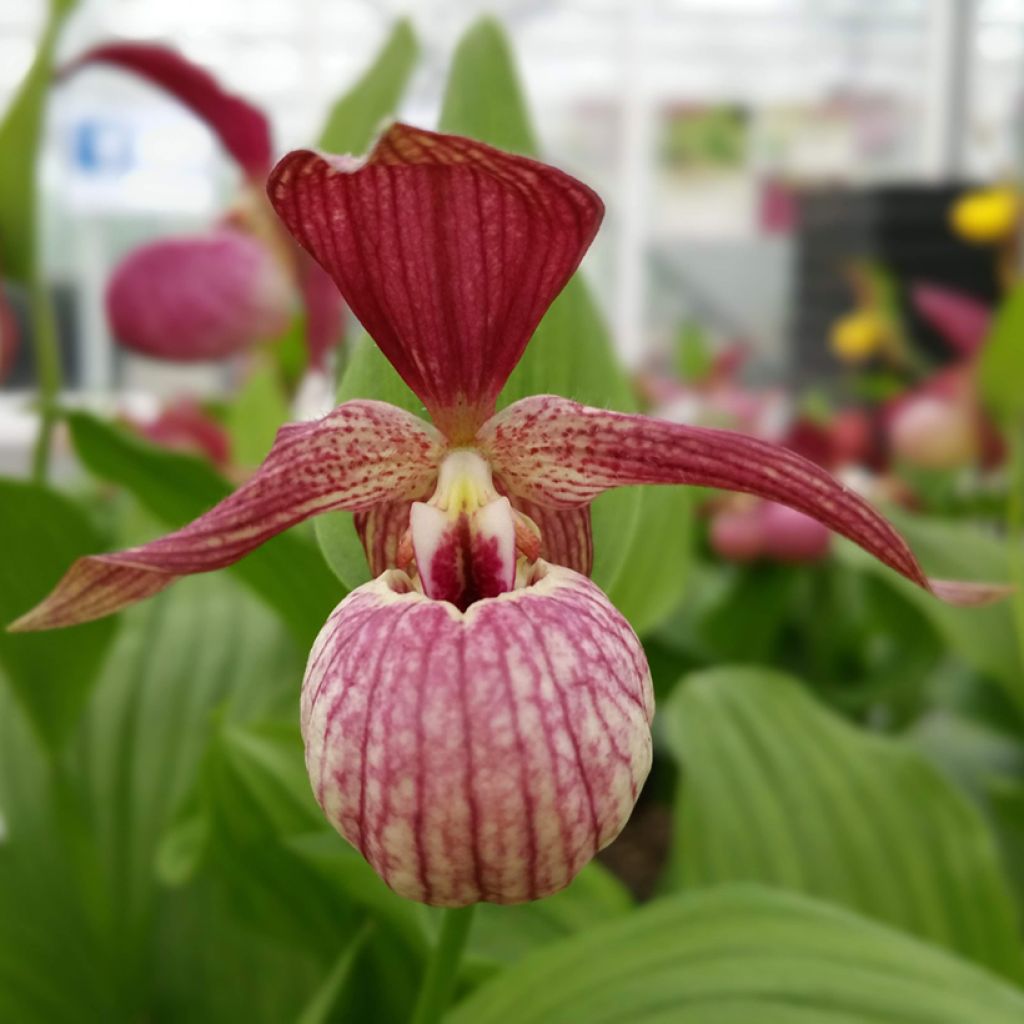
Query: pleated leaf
{"x": 740, "y": 954}
{"x": 43, "y": 532}
{"x": 778, "y": 790}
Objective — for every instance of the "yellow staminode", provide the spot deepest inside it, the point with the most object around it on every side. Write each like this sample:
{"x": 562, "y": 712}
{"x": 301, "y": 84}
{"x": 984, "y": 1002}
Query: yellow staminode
{"x": 986, "y": 215}
{"x": 857, "y": 336}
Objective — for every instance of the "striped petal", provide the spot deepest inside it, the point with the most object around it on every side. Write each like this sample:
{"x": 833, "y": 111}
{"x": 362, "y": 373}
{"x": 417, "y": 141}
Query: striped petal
{"x": 199, "y": 297}
{"x": 360, "y": 454}
{"x": 559, "y": 453}
{"x": 478, "y": 755}
{"x": 961, "y": 319}
{"x": 448, "y": 251}
{"x": 325, "y": 312}
{"x": 242, "y": 128}
{"x": 565, "y": 536}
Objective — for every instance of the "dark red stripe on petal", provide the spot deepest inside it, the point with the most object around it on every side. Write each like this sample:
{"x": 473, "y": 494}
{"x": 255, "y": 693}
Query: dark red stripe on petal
{"x": 242, "y": 128}
{"x": 448, "y": 251}
{"x": 381, "y": 530}
{"x": 492, "y": 768}
{"x": 561, "y": 454}
{"x": 198, "y": 298}
{"x": 360, "y": 454}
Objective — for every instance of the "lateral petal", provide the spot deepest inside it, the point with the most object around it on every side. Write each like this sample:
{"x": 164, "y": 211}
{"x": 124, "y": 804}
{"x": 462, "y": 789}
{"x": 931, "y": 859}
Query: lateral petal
{"x": 360, "y": 454}
{"x": 448, "y": 251}
{"x": 242, "y": 128}
{"x": 559, "y": 453}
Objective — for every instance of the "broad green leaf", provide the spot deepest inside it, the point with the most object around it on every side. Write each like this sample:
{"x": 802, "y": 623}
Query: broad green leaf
{"x": 256, "y": 794}
{"x": 254, "y": 416}
{"x": 739, "y": 954}
{"x": 501, "y": 935}
{"x": 51, "y": 673}
{"x": 359, "y": 114}
{"x": 984, "y": 637}
{"x": 321, "y": 1008}
{"x": 778, "y": 790}
{"x": 648, "y": 585}
{"x": 20, "y": 132}
{"x": 80, "y": 902}
{"x": 1001, "y": 363}
{"x": 286, "y": 571}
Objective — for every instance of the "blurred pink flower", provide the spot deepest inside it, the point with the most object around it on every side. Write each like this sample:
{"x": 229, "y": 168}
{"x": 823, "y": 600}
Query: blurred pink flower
{"x": 212, "y": 295}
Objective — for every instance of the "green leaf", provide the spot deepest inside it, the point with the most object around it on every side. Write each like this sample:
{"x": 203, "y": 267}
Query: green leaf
{"x": 79, "y": 901}
{"x": 503, "y": 934}
{"x": 482, "y": 98}
{"x": 359, "y": 114}
{"x": 320, "y": 1009}
{"x": 984, "y": 637}
{"x": 649, "y": 582}
{"x": 255, "y": 415}
{"x": 286, "y": 571}
{"x": 1001, "y": 363}
{"x": 257, "y": 794}
{"x": 739, "y": 954}
{"x": 778, "y": 790}
{"x": 52, "y": 674}
{"x": 20, "y": 132}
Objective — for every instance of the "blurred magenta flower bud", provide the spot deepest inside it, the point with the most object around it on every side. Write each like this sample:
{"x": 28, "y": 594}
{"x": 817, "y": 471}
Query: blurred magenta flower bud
{"x": 747, "y": 531}
{"x": 477, "y": 718}
{"x": 184, "y": 426}
{"x": 199, "y": 297}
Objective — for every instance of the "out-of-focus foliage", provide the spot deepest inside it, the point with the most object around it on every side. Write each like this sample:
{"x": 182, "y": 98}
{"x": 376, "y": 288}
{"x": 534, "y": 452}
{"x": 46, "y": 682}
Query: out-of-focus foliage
{"x": 741, "y": 953}
{"x": 780, "y": 791}
{"x": 43, "y": 533}
{"x": 20, "y": 132}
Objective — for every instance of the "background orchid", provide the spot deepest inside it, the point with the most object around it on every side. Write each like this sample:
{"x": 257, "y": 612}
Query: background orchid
{"x": 216, "y": 294}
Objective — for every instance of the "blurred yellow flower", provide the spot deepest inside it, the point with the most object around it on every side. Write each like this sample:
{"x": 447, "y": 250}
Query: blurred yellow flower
{"x": 986, "y": 215}
{"x": 857, "y": 336}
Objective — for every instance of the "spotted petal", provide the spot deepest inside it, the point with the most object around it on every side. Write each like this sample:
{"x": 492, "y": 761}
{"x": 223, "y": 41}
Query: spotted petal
{"x": 478, "y": 755}
{"x": 359, "y": 455}
{"x": 199, "y": 297}
{"x": 559, "y": 453}
{"x": 242, "y": 128}
{"x": 448, "y": 251}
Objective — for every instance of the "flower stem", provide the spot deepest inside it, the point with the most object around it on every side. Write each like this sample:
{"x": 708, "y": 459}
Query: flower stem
{"x": 1015, "y": 531}
{"x": 48, "y": 374}
{"x": 439, "y": 981}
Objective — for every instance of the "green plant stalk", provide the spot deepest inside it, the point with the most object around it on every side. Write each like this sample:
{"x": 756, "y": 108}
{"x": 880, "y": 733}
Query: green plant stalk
{"x": 48, "y": 373}
{"x": 439, "y": 981}
{"x": 1015, "y": 530}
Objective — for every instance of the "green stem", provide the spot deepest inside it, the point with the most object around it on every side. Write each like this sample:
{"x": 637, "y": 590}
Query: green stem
{"x": 1015, "y": 531}
{"x": 48, "y": 374}
{"x": 439, "y": 981}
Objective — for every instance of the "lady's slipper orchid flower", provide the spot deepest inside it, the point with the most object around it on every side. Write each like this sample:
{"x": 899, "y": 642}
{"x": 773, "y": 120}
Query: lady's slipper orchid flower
{"x": 477, "y": 718}
{"x": 215, "y": 294}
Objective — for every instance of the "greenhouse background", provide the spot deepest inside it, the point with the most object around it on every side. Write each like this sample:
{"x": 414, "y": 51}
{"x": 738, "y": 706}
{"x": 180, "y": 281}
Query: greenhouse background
{"x": 805, "y": 302}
